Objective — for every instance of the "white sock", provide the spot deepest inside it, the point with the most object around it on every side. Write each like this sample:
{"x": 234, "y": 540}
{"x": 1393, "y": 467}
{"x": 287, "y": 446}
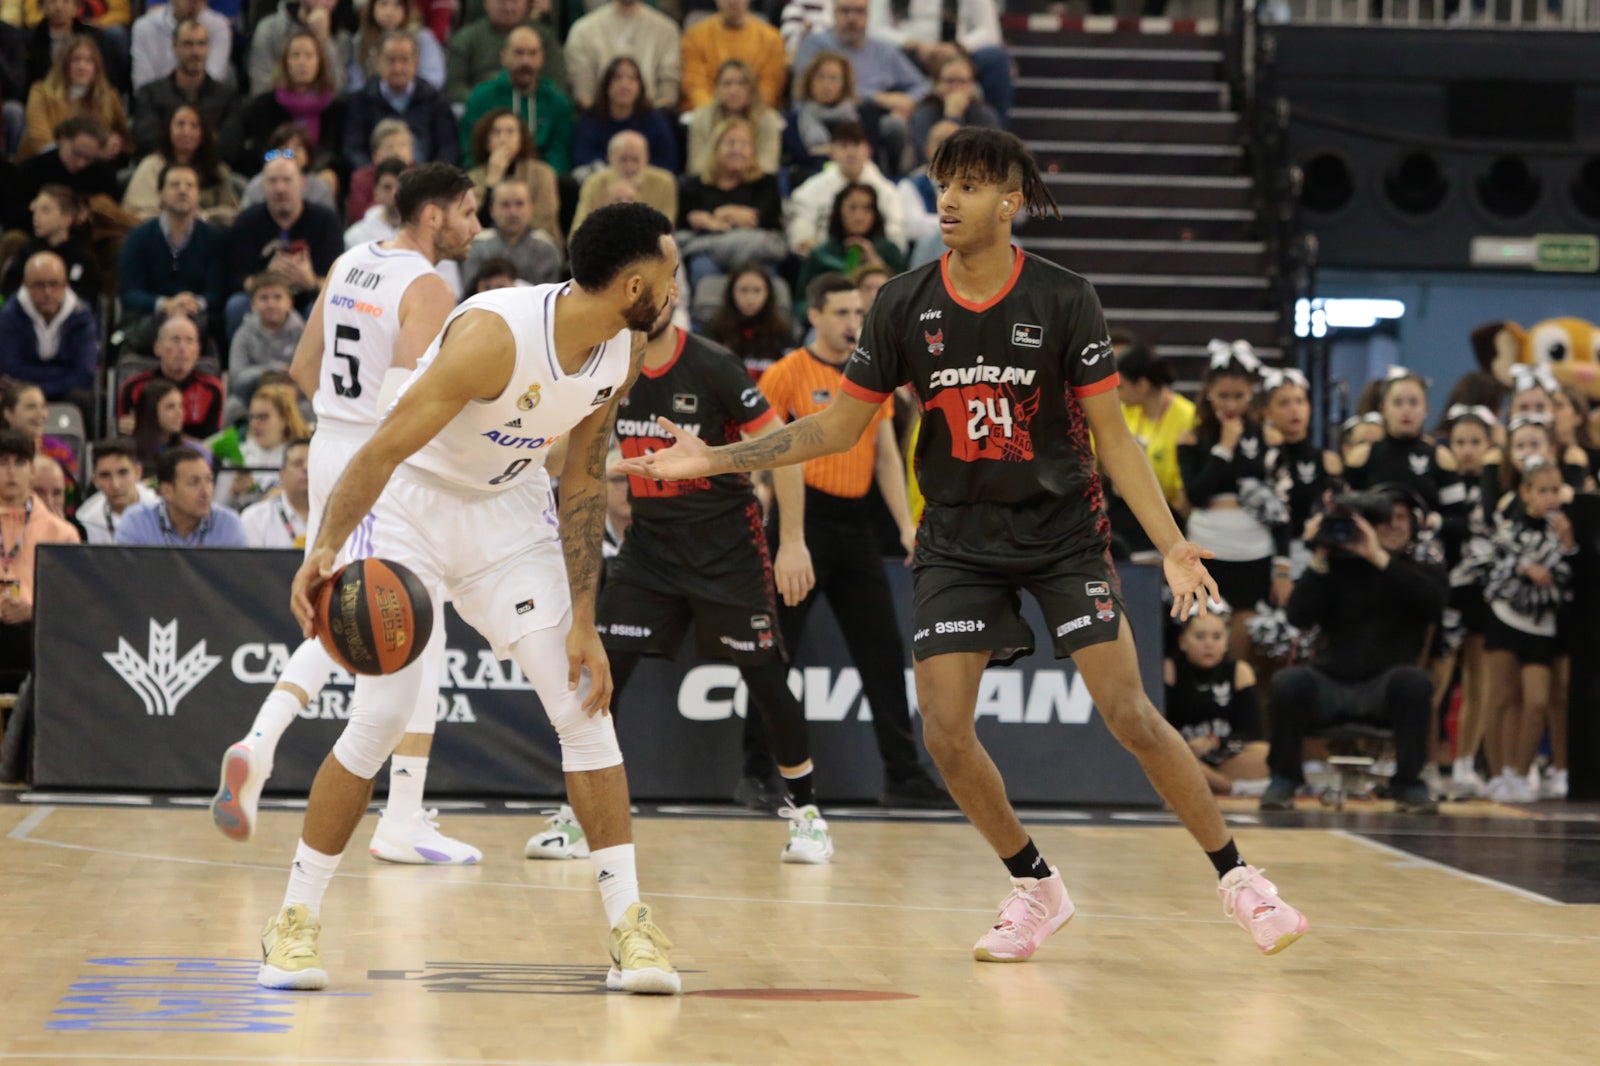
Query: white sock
{"x": 279, "y": 709}
{"x": 407, "y": 776}
{"x": 309, "y": 877}
{"x": 618, "y": 879}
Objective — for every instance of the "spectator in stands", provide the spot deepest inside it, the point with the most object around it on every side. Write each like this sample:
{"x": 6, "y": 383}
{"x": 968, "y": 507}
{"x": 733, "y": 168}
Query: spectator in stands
{"x": 797, "y": 18}
{"x": 855, "y": 239}
{"x": 50, "y": 488}
{"x": 625, "y": 27}
{"x": 497, "y": 274}
{"x": 397, "y": 93}
{"x": 61, "y": 20}
{"x": 280, "y": 520}
{"x": 622, "y": 102}
{"x": 732, "y": 34}
{"x": 869, "y": 279}
{"x": 285, "y": 235}
{"x": 512, "y": 238}
{"x": 14, "y": 87}
{"x": 824, "y": 97}
{"x": 186, "y": 141}
{"x": 76, "y": 86}
{"x": 59, "y": 221}
{"x": 381, "y": 221}
{"x": 24, "y": 409}
{"x": 522, "y": 88}
{"x": 26, "y": 526}
{"x": 477, "y": 48}
{"x": 954, "y": 99}
{"x": 119, "y": 485}
{"x": 502, "y": 147}
{"x": 202, "y": 395}
{"x": 293, "y": 18}
{"x": 888, "y": 83}
{"x": 158, "y": 424}
{"x": 76, "y": 161}
{"x": 379, "y": 17}
{"x": 391, "y": 139}
{"x": 153, "y": 57}
{"x": 274, "y": 422}
{"x": 752, "y": 322}
{"x": 919, "y": 27}
{"x": 189, "y": 85}
{"x": 300, "y": 103}
{"x": 733, "y": 213}
{"x": 628, "y": 177}
{"x": 1375, "y": 604}
{"x": 266, "y": 339}
{"x": 169, "y": 265}
{"x": 736, "y": 97}
{"x": 1158, "y": 416}
{"x": 48, "y": 336}
{"x": 811, "y": 205}
{"x": 186, "y": 517}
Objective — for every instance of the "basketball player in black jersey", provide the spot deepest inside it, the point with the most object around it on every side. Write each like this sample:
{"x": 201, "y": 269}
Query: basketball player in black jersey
{"x": 1010, "y": 358}
{"x": 696, "y": 551}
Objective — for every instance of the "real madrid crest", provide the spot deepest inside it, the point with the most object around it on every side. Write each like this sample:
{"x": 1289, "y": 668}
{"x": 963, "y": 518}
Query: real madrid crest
{"x": 530, "y": 399}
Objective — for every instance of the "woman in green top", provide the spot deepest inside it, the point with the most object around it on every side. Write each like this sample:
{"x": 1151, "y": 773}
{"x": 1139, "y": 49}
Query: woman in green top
{"x": 855, "y": 239}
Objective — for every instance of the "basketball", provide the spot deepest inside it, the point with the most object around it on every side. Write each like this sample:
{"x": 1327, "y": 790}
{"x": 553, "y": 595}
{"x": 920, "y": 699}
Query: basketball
{"x": 374, "y": 617}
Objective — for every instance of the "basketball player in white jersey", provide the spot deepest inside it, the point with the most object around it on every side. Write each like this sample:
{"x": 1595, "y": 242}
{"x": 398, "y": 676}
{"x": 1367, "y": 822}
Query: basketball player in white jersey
{"x": 381, "y": 307}
{"x": 455, "y": 481}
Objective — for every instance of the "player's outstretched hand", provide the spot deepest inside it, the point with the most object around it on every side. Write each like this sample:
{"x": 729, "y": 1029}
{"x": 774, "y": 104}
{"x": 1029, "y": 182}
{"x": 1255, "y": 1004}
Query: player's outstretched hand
{"x": 688, "y": 456}
{"x": 793, "y": 573}
{"x": 316, "y": 569}
{"x": 585, "y": 650}
{"x": 1188, "y": 578}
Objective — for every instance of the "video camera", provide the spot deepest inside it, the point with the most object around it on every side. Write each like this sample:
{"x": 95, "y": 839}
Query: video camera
{"x": 1339, "y": 529}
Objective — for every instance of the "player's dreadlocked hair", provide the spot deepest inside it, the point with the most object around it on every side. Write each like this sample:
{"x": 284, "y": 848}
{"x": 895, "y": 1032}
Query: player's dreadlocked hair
{"x": 994, "y": 157}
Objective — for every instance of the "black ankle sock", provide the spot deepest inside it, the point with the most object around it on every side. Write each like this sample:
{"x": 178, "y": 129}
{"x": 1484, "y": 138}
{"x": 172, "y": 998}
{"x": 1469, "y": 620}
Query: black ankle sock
{"x": 1027, "y": 862}
{"x": 800, "y": 790}
{"x": 1225, "y": 858}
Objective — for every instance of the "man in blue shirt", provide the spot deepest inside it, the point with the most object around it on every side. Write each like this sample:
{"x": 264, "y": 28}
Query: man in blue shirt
{"x": 185, "y": 517}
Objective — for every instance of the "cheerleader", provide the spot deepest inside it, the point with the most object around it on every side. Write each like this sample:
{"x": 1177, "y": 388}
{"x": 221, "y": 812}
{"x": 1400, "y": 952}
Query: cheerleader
{"x": 1299, "y": 471}
{"x": 1233, "y": 511}
{"x": 1211, "y": 700}
{"x": 1536, "y": 394}
{"x": 1405, "y": 455}
{"x": 1471, "y": 434}
{"x": 1570, "y": 410}
{"x": 1528, "y": 581}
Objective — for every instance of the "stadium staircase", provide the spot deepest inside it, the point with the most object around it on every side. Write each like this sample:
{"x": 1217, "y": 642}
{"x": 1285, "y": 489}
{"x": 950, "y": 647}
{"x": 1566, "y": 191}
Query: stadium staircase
{"x": 1147, "y": 139}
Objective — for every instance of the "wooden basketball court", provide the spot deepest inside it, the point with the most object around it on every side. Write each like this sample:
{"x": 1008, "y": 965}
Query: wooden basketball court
{"x": 131, "y": 938}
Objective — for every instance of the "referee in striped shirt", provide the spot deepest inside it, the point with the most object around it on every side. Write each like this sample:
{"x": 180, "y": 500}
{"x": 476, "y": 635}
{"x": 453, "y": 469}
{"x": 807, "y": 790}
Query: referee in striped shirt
{"x": 842, "y": 539}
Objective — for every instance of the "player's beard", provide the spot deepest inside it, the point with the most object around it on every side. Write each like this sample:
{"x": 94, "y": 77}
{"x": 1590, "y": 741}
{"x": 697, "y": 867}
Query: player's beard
{"x": 641, "y": 315}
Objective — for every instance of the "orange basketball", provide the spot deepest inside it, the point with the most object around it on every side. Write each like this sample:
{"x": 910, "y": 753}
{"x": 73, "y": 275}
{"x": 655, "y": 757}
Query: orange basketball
{"x": 374, "y": 616}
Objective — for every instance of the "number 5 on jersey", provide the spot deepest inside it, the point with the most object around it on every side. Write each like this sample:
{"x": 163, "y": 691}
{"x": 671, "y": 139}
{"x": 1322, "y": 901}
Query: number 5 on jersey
{"x": 347, "y": 386}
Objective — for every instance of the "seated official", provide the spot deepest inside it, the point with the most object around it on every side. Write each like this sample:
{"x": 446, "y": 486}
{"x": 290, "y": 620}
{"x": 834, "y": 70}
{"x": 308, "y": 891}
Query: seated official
{"x": 25, "y": 523}
{"x": 186, "y": 516}
{"x": 1375, "y": 604}
{"x": 279, "y": 521}
{"x": 119, "y": 487}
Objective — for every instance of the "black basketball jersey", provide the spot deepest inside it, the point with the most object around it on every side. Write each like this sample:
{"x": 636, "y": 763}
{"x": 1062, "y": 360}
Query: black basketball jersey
{"x": 1300, "y": 478}
{"x": 1413, "y": 462}
{"x": 1206, "y": 702}
{"x": 998, "y": 383}
{"x": 706, "y": 390}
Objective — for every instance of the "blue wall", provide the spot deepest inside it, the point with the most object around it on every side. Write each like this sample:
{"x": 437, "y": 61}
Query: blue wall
{"x": 1442, "y": 309}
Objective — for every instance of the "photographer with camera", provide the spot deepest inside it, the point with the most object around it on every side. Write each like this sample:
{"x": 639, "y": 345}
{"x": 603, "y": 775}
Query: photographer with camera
{"x": 1375, "y": 605}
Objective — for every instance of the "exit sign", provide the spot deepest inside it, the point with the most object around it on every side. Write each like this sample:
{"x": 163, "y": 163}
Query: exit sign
{"x": 1577, "y": 253}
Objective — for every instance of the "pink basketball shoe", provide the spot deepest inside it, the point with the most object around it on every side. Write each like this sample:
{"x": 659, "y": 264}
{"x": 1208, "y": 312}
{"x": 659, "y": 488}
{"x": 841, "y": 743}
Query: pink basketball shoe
{"x": 1253, "y": 902}
{"x": 1036, "y": 908}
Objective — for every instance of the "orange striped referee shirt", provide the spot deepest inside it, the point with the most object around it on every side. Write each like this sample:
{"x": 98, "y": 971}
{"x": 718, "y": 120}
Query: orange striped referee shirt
{"x": 801, "y": 384}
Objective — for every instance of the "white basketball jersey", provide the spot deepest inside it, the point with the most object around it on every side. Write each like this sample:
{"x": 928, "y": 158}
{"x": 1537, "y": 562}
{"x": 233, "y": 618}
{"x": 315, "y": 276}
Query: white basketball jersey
{"x": 360, "y": 328}
{"x": 499, "y": 444}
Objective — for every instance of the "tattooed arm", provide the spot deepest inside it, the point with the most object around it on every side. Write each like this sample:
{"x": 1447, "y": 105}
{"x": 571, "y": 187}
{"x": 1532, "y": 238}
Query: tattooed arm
{"x": 582, "y": 515}
{"x": 833, "y": 429}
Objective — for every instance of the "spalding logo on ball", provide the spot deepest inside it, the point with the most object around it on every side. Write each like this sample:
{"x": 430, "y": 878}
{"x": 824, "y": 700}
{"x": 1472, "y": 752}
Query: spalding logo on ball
{"x": 374, "y": 616}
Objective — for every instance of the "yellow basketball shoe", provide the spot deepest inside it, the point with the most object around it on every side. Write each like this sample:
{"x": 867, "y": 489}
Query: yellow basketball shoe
{"x": 639, "y": 959}
{"x": 289, "y": 956}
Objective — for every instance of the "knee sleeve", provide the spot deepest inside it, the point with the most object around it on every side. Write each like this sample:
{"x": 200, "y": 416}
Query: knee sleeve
{"x": 781, "y": 713}
{"x": 378, "y": 715}
{"x": 425, "y": 712}
{"x": 587, "y": 743}
{"x": 308, "y": 668}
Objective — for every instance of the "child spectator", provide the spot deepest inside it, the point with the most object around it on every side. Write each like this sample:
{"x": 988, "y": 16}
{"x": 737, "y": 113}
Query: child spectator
{"x": 1471, "y": 437}
{"x": 266, "y": 339}
{"x": 1212, "y": 701}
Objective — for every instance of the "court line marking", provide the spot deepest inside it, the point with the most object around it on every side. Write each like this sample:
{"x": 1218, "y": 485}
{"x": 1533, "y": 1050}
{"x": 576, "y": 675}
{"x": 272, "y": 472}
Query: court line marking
{"x": 1415, "y": 859}
{"x": 24, "y": 829}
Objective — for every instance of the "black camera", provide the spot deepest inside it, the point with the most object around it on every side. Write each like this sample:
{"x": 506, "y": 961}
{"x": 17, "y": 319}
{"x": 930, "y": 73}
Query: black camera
{"x": 1339, "y": 529}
